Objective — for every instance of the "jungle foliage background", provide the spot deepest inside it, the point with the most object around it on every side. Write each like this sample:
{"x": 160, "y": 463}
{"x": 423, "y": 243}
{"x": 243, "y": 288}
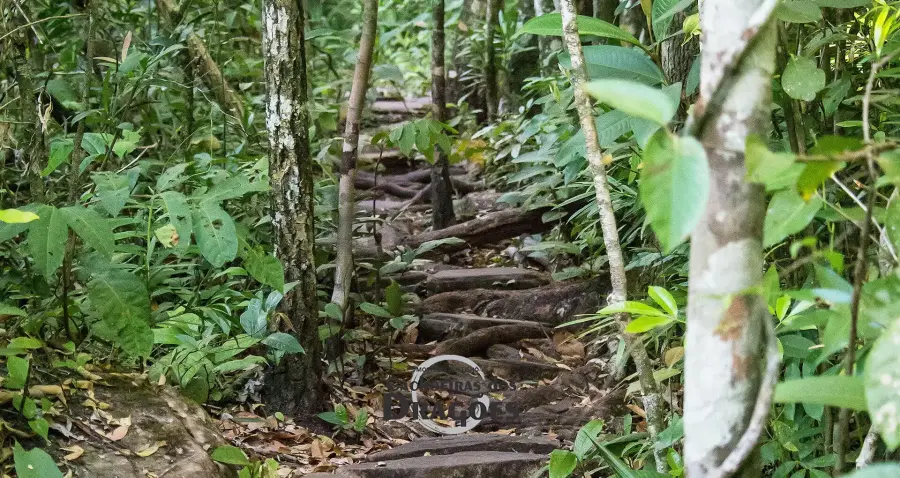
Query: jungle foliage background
{"x": 136, "y": 224}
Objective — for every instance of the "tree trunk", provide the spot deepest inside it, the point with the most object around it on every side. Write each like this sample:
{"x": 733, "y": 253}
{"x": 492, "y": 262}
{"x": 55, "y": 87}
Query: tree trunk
{"x": 605, "y": 10}
{"x": 210, "y": 73}
{"x": 653, "y": 402}
{"x": 442, "y": 214}
{"x": 677, "y": 58}
{"x": 293, "y": 386}
{"x": 542, "y": 7}
{"x": 343, "y": 274}
{"x": 491, "y": 86}
{"x": 726, "y": 325}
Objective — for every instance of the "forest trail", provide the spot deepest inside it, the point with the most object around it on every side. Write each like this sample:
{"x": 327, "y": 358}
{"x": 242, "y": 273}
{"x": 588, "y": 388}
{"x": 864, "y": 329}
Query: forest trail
{"x": 482, "y": 298}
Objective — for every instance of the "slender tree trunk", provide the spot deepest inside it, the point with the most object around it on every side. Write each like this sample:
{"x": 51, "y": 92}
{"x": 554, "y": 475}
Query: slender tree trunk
{"x": 442, "y": 214}
{"x": 343, "y": 275}
{"x": 605, "y": 10}
{"x": 726, "y": 325}
{"x": 491, "y": 85}
{"x": 209, "y": 70}
{"x": 294, "y": 386}
{"x": 677, "y": 57}
{"x": 542, "y": 7}
{"x": 653, "y": 402}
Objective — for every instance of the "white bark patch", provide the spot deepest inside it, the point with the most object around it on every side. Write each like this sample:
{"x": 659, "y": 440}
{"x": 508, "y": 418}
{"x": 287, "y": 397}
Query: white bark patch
{"x": 715, "y": 398}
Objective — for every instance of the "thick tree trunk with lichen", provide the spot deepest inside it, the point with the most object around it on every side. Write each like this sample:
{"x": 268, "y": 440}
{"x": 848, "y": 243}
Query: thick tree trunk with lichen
{"x": 442, "y": 214}
{"x": 726, "y": 325}
{"x": 653, "y": 402}
{"x": 294, "y": 386}
{"x": 343, "y": 274}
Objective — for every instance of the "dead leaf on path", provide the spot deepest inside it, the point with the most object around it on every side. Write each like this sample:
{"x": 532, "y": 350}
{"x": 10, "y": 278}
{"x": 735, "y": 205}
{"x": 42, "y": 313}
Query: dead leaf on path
{"x": 150, "y": 449}
{"x": 411, "y": 334}
{"x": 567, "y": 345}
{"x": 316, "y": 450}
{"x": 673, "y": 355}
{"x": 637, "y": 410}
{"x": 75, "y": 452}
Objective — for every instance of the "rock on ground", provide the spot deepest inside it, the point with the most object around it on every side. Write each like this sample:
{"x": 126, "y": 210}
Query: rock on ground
{"x": 180, "y": 430}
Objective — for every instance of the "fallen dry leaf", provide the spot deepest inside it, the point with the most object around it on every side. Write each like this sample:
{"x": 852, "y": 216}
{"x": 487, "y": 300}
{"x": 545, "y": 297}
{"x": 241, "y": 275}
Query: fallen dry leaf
{"x": 150, "y": 449}
{"x": 75, "y": 452}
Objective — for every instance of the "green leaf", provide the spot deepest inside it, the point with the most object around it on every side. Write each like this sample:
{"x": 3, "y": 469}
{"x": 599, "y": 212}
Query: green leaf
{"x": 375, "y": 309}
{"x": 663, "y": 13}
{"x": 60, "y": 150}
{"x": 284, "y": 342}
{"x": 788, "y": 214}
{"x": 47, "y": 241}
{"x": 25, "y": 343}
{"x": 230, "y": 455}
{"x": 878, "y": 308}
{"x": 674, "y": 186}
{"x": 798, "y": 11}
{"x": 882, "y": 378}
{"x": 646, "y": 323}
{"x": 121, "y": 301}
{"x": 333, "y": 418}
{"x": 233, "y": 187}
{"x": 878, "y": 470}
{"x": 393, "y": 297}
{"x": 773, "y": 170}
{"x": 265, "y": 268}
{"x": 892, "y": 223}
{"x": 91, "y": 227}
{"x": 843, "y": 3}
{"x": 179, "y": 215}
{"x": 832, "y": 391}
{"x": 113, "y": 190}
{"x": 664, "y": 299}
{"x": 35, "y": 463}
{"x": 551, "y": 25}
{"x": 586, "y": 437}
{"x": 40, "y": 426}
{"x": 616, "y": 62}
{"x": 215, "y": 233}
{"x": 621, "y": 469}
{"x": 562, "y": 463}
{"x": 636, "y": 99}
{"x": 171, "y": 177}
{"x": 629, "y": 307}
{"x": 802, "y": 79}
{"x": 15, "y": 216}
{"x": 6, "y": 309}
{"x": 18, "y": 372}
{"x": 431, "y": 245}
{"x": 254, "y": 319}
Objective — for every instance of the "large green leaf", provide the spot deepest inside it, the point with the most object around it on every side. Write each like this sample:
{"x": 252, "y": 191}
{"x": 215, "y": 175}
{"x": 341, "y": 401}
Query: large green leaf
{"x": 586, "y": 438}
{"x": 91, "y": 227}
{"x": 802, "y": 79}
{"x": 265, "y": 268}
{"x": 883, "y": 385}
{"x": 616, "y": 62}
{"x": 179, "y": 215}
{"x": 113, "y": 190}
{"x": 798, "y": 11}
{"x": 773, "y": 170}
{"x": 215, "y": 233}
{"x": 35, "y": 463}
{"x": 663, "y": 13}
{"x": 233, "y": 187}
{"x": 60, "y": 150}
{"x": 551, "y": 25}
{"x": 562, "y": 463}
{"x": 121, "y": 302}
{"x": 674, "y": 186}
{"x": 16, "y": 216}
{"x": 788, "y": 214}
{"x": 47, "y": 241}
{"x": 834, "y": 391}
{"x": 634, "y": 98}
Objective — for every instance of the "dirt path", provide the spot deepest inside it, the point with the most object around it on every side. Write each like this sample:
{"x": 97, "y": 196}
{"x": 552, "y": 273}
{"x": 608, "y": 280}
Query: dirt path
{"x": 480, "y": 299}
